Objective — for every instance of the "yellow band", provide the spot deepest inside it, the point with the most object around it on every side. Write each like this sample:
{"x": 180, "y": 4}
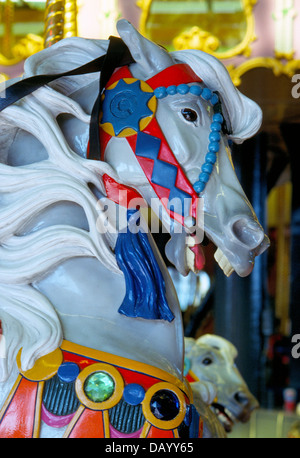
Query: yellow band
{"x": 44, "y": 367}
{"x": 130, "y": 364}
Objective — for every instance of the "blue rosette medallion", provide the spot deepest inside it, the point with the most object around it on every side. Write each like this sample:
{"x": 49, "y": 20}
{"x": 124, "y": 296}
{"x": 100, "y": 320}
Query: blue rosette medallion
{"x": 128, "y": 107}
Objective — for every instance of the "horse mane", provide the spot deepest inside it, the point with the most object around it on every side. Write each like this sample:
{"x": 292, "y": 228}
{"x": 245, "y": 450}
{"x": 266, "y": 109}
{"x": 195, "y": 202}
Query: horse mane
{"x": 28, "y": 318}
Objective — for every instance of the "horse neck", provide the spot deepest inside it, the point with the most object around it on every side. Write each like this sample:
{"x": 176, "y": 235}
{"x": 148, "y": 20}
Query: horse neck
{"x": 97, "y": 306}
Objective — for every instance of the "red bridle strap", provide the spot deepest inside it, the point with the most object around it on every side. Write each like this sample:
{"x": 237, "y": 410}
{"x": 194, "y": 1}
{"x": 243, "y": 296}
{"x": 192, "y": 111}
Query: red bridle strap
{"x": 163, "y": 160}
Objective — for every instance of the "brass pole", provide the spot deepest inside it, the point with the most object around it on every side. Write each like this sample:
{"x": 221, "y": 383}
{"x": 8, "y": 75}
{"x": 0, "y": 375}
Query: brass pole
{"x": 8, "y": 16}
{"x": 70, "y": 27}
{"x": 54, "y": 22}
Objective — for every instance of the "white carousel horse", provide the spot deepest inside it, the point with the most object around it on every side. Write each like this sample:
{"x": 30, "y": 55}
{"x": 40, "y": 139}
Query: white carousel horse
{"x": 72, "y": 280}
{"x": 211, "y": 358}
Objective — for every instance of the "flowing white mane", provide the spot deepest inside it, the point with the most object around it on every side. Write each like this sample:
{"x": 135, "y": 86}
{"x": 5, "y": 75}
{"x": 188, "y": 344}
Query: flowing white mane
{"x": 27, "y": 191}
{"x": 65, "y": 176}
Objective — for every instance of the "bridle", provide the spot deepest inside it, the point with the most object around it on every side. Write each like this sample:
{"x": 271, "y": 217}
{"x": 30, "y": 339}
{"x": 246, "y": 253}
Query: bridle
{"x": 129, "y": 111}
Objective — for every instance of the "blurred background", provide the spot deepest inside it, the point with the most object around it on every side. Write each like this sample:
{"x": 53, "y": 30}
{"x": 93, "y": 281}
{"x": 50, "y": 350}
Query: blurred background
{"x": 259, "y": 43}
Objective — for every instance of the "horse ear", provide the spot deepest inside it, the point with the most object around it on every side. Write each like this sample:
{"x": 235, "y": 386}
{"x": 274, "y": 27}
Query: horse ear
{"x": 150, "y": 58}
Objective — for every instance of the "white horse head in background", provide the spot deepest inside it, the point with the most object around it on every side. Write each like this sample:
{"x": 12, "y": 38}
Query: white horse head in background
{"x": 211, "y": 358}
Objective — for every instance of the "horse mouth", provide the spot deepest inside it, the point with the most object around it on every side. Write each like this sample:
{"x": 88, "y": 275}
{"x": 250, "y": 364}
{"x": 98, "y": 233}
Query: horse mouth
{"x": 243, "y": 266}
{"x": 196, "y": 260}
{"x": 224, "y": 415}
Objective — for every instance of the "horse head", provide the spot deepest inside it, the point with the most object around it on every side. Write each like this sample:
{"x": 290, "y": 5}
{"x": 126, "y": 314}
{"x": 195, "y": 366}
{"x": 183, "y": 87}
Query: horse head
{"x": 211, "y": 358}
{"x": 186, "y": 159}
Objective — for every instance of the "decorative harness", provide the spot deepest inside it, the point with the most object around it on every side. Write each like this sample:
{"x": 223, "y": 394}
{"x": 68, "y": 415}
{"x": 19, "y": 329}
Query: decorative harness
{"x": 128, "y": 111}
{"x": 98, "y": 395}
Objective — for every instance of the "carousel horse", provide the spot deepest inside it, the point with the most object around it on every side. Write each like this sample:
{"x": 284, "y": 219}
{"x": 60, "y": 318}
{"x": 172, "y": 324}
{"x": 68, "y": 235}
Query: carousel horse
{"x": 90, "y": 320}
{"x": 211, "y": 358}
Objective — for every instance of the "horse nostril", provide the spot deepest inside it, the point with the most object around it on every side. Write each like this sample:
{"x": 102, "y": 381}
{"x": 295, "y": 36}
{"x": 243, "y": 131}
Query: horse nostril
{"x": 248, "y": 232}
{"x": 241, "y": 397}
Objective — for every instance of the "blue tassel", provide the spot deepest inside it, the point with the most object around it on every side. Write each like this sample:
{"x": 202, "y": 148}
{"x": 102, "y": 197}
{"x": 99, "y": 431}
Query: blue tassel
{"x": 145, "y": 287}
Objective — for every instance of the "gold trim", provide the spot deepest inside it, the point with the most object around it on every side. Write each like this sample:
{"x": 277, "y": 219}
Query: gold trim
{"x": 24, "y": 48}
{"x": 74, "y": 420}
{"x": 70, "y": 19}
{"x": 243, "y": 48}
{"x": 284, "y": 55}
{"x": 115, "y": 397}
{"x": 161, "y": 424}
{"x": 196, "y": 38}
{"x": 130, "y": 364}
{"x": 38, "y": 411}
{"x": 145, "y": 6}
{"x": 278, "y": 67}
{"x": 54, "y": 22}
{"x": 105, "y": 416}
{"x": 44, "y": 367}
{"x": 176, "y": 434}
{"x": 145, "y": 430}
{"x": 8, "y": 19}
{"x": 60, "y": 22}
{"x": 3, "y": 77}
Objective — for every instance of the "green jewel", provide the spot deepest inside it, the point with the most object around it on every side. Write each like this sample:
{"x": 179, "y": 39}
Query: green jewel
{"x": 99, "y": 386}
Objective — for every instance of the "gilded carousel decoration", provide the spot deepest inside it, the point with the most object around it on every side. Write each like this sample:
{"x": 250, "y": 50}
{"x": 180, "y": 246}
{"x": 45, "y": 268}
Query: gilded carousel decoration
{"x": 29, "y": 26}
{"x": 231, "y": 31}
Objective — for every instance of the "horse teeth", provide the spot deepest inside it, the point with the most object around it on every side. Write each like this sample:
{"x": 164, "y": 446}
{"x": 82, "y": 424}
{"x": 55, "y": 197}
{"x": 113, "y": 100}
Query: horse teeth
{"x": 223, "y": 262}
{"x": 229, "y": 414}
{"x": 190, "y": 259}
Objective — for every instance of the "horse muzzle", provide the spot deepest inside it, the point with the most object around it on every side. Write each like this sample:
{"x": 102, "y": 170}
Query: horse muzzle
{"x": 239, "y": 245}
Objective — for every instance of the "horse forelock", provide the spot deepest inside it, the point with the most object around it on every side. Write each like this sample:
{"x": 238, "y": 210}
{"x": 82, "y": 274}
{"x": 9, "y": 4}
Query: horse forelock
{"x": 219, "y": 344}
{"x": 64, "y": 56}
{"x": 243, "y": 114}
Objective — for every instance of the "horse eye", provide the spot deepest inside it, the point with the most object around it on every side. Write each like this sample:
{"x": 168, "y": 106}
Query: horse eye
{"x": 207, "y": 361}
{"x": 189, "y": 114}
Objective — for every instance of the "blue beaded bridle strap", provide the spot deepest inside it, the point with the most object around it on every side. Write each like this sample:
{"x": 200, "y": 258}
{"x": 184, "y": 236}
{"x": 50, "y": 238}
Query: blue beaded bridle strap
{"x": 215, "y": 127}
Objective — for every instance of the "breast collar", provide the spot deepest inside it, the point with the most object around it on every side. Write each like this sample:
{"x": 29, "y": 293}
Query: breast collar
{"x": 129, "y": 111}
{"x": 47, "y": 390}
